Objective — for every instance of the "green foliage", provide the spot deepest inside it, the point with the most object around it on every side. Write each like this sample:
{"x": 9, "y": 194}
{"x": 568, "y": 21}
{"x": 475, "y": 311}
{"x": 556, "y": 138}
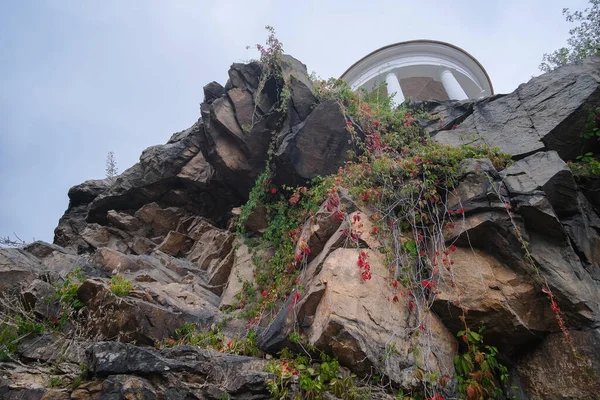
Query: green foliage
{"x": 591, "y": 128}
{"x": 56, "y": 381}
{"x": 287, "y": 209}
{"x": 67, "y": 292}
{"x": 14, "y": 329}
{"x": 9, "y": 340}
{"x": 478, "y": 369}
{"x": 400, "y": 178}
{"x": 584, "y": 40}
{"x": 26, "y": 326}
{"x": 588, "y": 167}
{"x": 120, "y": 286}
{"x": 271, "y": 59}
{"x": 188, "y": 334}
{"x": 586, "y": 164}
{"x": 294, "y": 337}
{"x": 314, "y": 379}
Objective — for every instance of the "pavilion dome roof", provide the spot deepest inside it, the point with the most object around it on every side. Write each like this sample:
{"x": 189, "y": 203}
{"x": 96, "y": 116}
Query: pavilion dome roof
{"x": 418, "y": 65}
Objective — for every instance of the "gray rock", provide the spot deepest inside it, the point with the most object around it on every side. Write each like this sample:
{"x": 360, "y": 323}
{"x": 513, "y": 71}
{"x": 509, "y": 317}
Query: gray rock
{"x": 551, "y": 370}
{"x": 238, "y": 374}
{"x": 213, "y": 91}
{"x": 73, "y": 221}
{"x": 128, "y": 319}
{"x": 317, "y": 146}
{"x": 18, "y": 269}
{"x": 38, "y": 297}
{"x": 548, "y": 112}
{"x": 443, "y": 115}
{"x": 544, "y": 171}
{"x": 123, "y": 221}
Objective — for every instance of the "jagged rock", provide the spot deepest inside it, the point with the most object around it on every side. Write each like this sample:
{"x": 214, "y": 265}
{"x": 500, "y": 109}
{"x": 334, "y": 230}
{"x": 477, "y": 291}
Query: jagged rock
{"x": 125, "y": 387}
{"x": 244, "y": 76}
{"x": 584, "y": 231}
{"x": 302, "y": 100}
{"x": 184, "y": 193}
{"x": 443, "y": 114}
{"x": 169, "y": 282}
{"x": 197, "y": 170}
{"x": 172, "y": 175}
{"x": 317, "y": 231}
{"x": 37, "y": 297}
{"x": 544, "y": 171}
{"x": 548, "y": 112}
{"x": 175, "y": 244}
{"x": 558, "y": 264}
{"x": 344, "y": 315}
{"x": 257, "y": 220}
{"x": 211, "y": 248}
{"x": 162, "y": 220}
{"x": 18, "y": 268}
{"x": 242, "y": 271}
{"x": 493, "y": 295}
{"x": 476, "y": 189}
{"x": 141, "y": 245}
{"x": 361, "y": 328}
{"x": 195, "y": 226}
{"x": 113, "y": 261}
{"x": 73, "y": 221}
{"x": 213, "y": 91}
{"x": 98, "y": 236}
{"x": 52, "y": 348}
{"x": 126, "y": 318}
{"x": 590, "y": 187}
{"x": 240, "y": 376}
{"x": 551, "y": 370}
{"x": 123, "y": 221}
{"x": 317, "y": 146}
{"x": 42, "y": 249}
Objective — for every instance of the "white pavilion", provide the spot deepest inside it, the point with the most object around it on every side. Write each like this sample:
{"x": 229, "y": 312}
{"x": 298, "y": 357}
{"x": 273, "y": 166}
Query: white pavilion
{"x": 421, "y": 70}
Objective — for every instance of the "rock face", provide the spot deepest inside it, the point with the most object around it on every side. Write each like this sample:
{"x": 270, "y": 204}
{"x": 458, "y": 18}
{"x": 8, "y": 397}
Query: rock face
{"x": 547, "y": 113}
{"x": 162, "y": 225}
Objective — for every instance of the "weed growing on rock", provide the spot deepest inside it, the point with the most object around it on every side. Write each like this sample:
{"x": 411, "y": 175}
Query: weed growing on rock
{"x": 120, "y": 286}
{"x": 66, "y": 292}
{"x": 270, "y": 61}
{"x": 188, "y": 334}
{"x": 477, "y": 368}
{"x": 313, "y": 379}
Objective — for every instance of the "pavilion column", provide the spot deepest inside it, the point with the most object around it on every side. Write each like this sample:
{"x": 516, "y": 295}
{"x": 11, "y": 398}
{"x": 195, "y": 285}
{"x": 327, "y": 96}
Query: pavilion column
{"x": 452, "y": 87}
{"x": 393, "y": 86}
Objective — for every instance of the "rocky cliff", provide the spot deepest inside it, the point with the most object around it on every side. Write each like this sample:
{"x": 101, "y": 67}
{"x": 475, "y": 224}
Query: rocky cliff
{"x": 418, "y": 231}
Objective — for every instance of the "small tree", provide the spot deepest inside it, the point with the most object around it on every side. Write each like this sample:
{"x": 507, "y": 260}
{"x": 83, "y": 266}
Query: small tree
{"x": 111, "y": 166}
{"x": 584, "y": 41}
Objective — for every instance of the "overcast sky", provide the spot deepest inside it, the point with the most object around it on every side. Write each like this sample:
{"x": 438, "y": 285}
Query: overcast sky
{"x": 80, "y": 78}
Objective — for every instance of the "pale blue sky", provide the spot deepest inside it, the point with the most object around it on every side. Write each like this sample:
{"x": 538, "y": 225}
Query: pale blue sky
{"x": 79, "y": 78}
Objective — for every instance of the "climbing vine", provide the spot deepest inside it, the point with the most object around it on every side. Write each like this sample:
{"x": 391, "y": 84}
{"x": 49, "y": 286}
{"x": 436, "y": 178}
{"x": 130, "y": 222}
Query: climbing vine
{"x": 402, "y": 182}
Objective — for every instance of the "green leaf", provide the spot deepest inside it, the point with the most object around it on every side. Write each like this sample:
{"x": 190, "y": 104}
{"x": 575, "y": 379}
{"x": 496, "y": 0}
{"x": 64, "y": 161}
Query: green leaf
{"x": 411, "y": 247}
{"x": 475, "y": 336}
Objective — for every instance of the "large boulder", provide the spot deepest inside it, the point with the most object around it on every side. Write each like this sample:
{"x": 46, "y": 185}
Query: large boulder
{"x": 127, "y": 319}
{"x": 548, "y": 112}
{"x": 317, "y": 146}
{"x": 73, "y": 221}
{"x": 238, "y": 377}
{"x": 562, "y": 367}
{"x": 17, "y": 269}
